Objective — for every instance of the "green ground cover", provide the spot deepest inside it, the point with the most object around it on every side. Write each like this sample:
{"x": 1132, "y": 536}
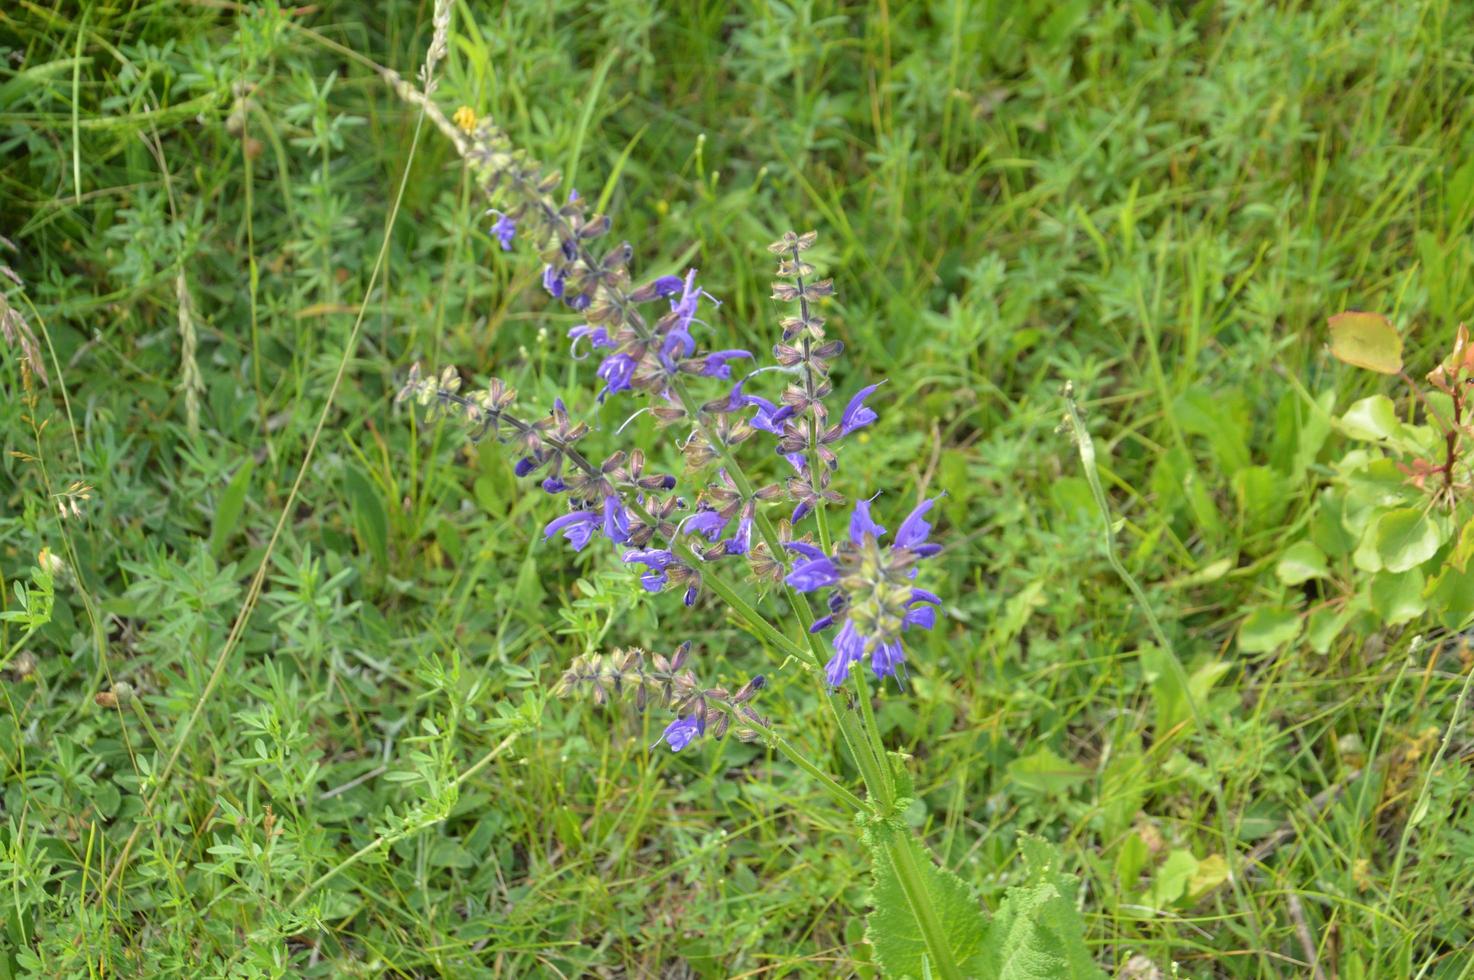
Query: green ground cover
{"x": 290, "y": 619}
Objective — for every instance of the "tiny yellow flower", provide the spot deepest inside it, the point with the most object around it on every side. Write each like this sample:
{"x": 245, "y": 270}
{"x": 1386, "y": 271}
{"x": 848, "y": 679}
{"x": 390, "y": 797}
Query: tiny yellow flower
{"x": 465, "y": 118}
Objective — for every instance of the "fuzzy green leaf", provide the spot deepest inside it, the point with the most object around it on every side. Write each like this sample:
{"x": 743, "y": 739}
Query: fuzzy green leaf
{"x": 1038, "y": 933}
{"x": 892, "y": 929}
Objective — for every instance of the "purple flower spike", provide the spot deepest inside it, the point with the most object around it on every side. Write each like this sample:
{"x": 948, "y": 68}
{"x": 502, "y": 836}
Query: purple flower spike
{"x": 813, "y": 574}
{"x": 856, "y": 415}
{"x": 679, "y": 733}
{"x": 578, "y": 527}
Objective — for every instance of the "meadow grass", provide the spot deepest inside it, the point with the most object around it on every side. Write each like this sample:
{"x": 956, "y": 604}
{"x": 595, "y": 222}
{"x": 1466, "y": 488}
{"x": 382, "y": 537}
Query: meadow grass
{"x": 342, "y": 627}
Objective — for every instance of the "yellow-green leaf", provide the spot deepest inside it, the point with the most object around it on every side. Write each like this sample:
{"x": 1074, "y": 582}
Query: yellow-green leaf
{"x": 1366, "y": 340}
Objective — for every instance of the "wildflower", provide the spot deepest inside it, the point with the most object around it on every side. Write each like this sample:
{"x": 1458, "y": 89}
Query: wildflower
{"x": 856, "y": 415}
{"x": 616, "y": 371}
{"x": 873, "y": 589}
{"x": 553, "y": 281}
{"x": 714, "y": 364}
{"x": 679, "y": 733}
{"x": 657, "y": 561}
{"x": 578, "y": 527}
{"x": 616, "y": 521}
{"x": 707, "y": 522}
{"x": 597, "y": 336}
{"x": 505, "y": 229}
{"x": 465, "y": 119}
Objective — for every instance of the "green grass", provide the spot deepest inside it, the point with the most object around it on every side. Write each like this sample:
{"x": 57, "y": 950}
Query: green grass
{"x": 1160, "y": 203}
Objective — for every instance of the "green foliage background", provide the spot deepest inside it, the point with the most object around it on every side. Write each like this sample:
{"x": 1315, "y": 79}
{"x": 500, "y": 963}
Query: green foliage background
{"x": 1159, "y": 202}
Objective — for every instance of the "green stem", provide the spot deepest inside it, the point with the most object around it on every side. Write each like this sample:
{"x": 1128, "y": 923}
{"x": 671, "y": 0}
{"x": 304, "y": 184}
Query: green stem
{"x": 1086, "y": 447}
{"x": 793, "y": 755}
{"x": 739, "y": 605}
{"x": 908, "y": 872}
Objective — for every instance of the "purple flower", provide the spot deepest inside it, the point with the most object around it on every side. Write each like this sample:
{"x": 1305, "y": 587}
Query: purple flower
{"x": 706, "y": 522}
{"x": 655, "y": 559}
{"x": 915, "y": 529}
{"x": 807, "y": 550}
{"x": 849, "y": 647}
{"x": 524, "y": 466}
{"x": 616, "y": 522}
{"x": 616, "y": 372}
{"x": 679, "y": 733}
{"x": 861, "y": 523}
{"x": 679, "y": 337}
{"x": 554, "y": 484}
{"x": 667, "y": 285}
{"x": 553, "y": 281}
{"x": 597, "y": 336}
{"x": 856, "y": 415}
{"x": 766, "y": 417}
{"x": 886, "y": 656}
{"x": 578, "y": 527}
{"x": 685, "y": 305}
{"x": 504, "y": 231}
{"x": 714, "y": 365}
{"x": 741, "y": 542}
{"x": 814, "y": 574}
{"x": 580, "y": 302}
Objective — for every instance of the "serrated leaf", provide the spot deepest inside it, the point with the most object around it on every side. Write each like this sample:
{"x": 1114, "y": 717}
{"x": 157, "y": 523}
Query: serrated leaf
{"x": 1038, "y": 933}
{"x": 1405, "y": 538}
{"x": 1366, "y": 340}
{"x": 891, "y": 927}
{"x": 1301, "y": 562}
